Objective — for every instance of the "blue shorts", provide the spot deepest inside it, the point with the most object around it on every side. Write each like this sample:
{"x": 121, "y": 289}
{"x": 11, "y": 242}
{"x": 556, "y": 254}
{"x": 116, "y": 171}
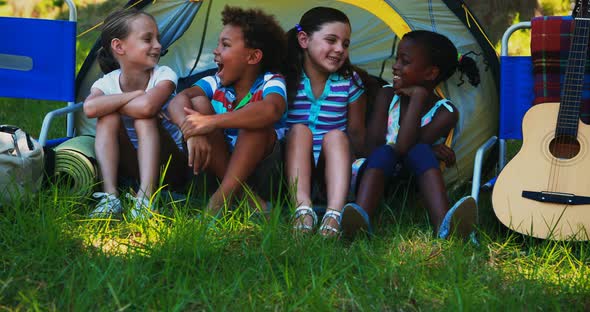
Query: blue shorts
{"x": 419, "y": 159}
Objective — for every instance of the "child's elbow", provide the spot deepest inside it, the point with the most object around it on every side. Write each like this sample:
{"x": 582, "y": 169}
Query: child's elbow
{"x": 277, "y": 113}
{"x": 147, "y": 109}
{"x": 270, "y": 115}
{"x": 151, "y": 110}
{"x": 89, "y": 110}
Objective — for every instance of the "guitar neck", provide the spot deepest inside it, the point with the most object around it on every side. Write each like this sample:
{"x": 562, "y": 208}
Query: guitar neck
{"x": 569, "y": 111}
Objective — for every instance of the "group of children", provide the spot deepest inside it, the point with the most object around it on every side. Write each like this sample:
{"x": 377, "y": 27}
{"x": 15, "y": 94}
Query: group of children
{"x": 270, "y": 87}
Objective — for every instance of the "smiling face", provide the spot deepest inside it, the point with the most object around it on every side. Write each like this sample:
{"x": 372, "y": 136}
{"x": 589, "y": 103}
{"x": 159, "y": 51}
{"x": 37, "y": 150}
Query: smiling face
{"x": 142, "y": 46}
{"x": 231, "y": 54}
{"x": 411, "y": 67}
{"x": 327, "y": 48}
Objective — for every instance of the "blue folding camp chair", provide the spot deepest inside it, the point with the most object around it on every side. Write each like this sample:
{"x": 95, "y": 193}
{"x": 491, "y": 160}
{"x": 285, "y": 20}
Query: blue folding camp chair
{"x": 529, "y": 80}
{"x": 38, "y": 61}
{"x": 516, "y": 97}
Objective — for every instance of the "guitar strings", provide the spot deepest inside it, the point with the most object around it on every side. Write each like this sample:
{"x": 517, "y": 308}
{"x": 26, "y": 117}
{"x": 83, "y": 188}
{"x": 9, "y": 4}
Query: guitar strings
{"x": 565, "y": 144}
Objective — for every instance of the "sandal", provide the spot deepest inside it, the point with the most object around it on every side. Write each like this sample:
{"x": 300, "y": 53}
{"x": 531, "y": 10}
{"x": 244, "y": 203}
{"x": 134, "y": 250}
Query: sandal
{"x": 331, "y": 231}
{"x": 299, "y": 219}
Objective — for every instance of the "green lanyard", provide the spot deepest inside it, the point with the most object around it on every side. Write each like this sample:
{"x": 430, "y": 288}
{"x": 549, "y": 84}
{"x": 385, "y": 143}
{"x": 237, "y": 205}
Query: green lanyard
{"x": 244, "y": 101}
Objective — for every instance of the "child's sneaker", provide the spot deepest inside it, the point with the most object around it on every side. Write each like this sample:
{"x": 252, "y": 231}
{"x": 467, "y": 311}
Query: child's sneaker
{"x": 108, "y": 204}
{"x": 460, "y": 219}
{"x": 141, "y": 207}
{"x": 355, "y": 220}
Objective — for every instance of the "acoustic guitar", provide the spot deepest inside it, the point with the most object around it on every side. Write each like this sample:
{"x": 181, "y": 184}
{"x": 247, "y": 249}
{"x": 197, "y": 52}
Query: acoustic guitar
{"x": 544, "y": 191}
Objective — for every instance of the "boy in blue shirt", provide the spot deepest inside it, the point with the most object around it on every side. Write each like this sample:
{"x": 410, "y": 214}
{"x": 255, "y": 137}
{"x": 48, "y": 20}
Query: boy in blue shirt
{"x": 228, "y": 120}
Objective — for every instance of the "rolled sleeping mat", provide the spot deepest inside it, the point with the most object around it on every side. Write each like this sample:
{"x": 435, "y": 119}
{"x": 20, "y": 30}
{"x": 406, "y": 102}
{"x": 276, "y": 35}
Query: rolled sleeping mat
{"x": 75, "y": 163}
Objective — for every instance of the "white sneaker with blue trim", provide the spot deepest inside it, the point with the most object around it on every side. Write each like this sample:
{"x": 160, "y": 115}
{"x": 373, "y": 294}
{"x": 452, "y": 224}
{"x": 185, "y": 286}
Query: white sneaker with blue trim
{"x": 108, "y": 204}
{"x": 142, "y": 207}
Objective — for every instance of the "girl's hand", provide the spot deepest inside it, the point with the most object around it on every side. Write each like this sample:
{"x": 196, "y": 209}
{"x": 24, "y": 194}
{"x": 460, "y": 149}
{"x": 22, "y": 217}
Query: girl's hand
{"x": 412, "y": 91}
{"x": 444, "y": 153}
{"x": 196, "y": 123}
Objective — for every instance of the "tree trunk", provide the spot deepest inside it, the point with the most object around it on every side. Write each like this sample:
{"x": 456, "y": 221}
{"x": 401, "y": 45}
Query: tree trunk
{"x": 497, "y": 15}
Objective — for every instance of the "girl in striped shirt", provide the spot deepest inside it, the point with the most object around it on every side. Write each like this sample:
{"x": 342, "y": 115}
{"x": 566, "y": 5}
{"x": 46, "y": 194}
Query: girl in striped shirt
{"x": 326, "y": 113}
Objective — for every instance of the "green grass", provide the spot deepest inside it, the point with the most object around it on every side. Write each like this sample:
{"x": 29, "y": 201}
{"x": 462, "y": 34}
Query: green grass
{"x": 54, "y": 258}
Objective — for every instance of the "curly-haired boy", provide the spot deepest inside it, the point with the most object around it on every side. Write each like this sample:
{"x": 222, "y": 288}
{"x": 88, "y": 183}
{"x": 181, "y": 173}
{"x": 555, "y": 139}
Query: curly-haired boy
{"x": 228, "y": 120}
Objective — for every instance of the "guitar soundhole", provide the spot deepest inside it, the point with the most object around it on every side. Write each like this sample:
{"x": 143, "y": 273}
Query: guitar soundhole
{"x": 564, "y": 147}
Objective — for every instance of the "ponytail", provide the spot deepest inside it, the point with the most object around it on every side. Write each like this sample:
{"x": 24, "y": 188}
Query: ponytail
{"x": 442, "y": 53}
{"x": 468, "y": 67}
{"x": 106, "y": 61}
{"x": 293, "y": 67}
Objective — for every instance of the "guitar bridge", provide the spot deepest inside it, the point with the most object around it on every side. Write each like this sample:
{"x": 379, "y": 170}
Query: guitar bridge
{"x": 556, "y": 198}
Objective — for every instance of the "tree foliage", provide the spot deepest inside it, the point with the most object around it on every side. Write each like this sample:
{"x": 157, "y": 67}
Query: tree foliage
{"x": 497, "y": 15}
{"x": 494, "y": 15}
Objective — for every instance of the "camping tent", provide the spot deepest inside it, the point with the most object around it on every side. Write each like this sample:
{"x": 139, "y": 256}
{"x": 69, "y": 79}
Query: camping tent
{"x": 189, "y": 30}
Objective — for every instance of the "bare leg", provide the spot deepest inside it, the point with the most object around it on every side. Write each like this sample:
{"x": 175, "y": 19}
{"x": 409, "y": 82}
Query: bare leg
{"x": 382, "y": 161}
{"x": 433, "y": 190}
{"x": 176, "y": 175}
{"x": 107, "y": 150}
{"x": 298, "y": 168}
{"x": 299, "y": 155}
{"x": 218, "y": 163}
{"x": 148, "y": 154}
{"x": 336, "y": 151}
{"x": 370, "y": 191}
{"x": 251, "y": 147}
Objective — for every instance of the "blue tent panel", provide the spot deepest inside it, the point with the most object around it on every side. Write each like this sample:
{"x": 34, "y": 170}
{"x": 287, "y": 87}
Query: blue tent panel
{"x": 37, "y": 58}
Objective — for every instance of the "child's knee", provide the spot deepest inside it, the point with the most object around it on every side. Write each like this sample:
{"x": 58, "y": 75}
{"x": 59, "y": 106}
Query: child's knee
{"x": 111, "y": 121}
{"x": 200, "y": 103}
{"x": 335, "y": 136}
{"x": 146, "y": 124}
{"x": 335, "y": 139}
{"x": 421, "y": 159}
{"x": 299, "y": 130}
{"x": 263, "y": 139}
{"x": 260, "y": 135}
{"x": 383, "y": 158}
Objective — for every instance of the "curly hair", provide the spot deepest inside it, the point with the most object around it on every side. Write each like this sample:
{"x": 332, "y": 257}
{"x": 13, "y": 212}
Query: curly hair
{"x": 116, "y": 25}
{"x": 260, "y": 31}
{"x": 442, "y": 53}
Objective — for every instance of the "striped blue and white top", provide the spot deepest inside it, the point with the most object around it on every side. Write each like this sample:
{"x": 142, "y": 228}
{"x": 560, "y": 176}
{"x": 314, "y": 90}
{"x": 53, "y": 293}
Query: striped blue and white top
{"x": 223, "y": 98}
{"x": 329, "y": 111}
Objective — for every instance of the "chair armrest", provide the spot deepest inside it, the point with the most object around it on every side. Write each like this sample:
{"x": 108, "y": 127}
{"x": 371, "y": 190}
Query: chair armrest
{"x": 54, "y": 113}
{"x": 477, "y": 164}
